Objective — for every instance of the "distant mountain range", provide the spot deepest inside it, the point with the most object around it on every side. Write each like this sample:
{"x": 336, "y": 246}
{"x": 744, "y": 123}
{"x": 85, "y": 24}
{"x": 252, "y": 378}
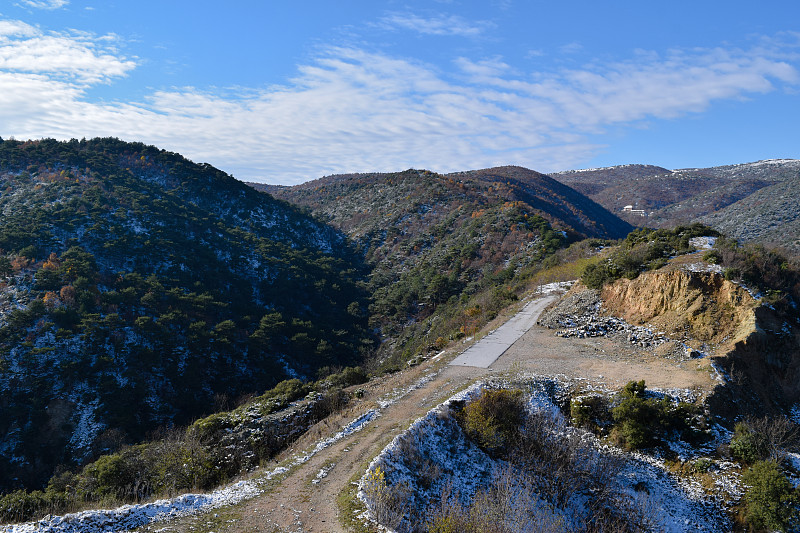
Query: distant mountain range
{"x": 751, "y": 201}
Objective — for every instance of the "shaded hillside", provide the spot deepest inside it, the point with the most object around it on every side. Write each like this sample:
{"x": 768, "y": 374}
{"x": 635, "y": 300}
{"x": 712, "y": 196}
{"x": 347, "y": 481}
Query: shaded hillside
{"x": 449, "y": 246}
{"x": 561, "y": 205}
{"x": 138, "y": 288}
{"x": 769, "y": 216}
{"x": 594, "y": 181}
{"x": 672, "y": 197}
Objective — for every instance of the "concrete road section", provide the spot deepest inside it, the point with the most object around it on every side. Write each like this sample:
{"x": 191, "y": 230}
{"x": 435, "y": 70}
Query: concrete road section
{"x": 486, "y": 351}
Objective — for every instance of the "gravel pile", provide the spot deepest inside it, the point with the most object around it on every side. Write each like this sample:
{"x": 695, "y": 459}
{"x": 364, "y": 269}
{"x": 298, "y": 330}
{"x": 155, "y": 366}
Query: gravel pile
{"x": 571, "y": 310}
{"x": 578, "y": 316}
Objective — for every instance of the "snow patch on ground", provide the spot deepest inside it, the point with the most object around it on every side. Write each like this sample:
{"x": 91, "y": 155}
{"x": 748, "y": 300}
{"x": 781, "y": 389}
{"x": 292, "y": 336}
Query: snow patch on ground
{"x": 719, "y": 374}
{"x": 559, "y": 286}
{"x": 794, "y": 460}
{"x": 434, "y": 455}
{"x": 754, "y": 293}
{"x": 676, "y": 505}
{"x": 132, "y": 516}
{"x": 87, "y": 428}
{"x": 703, "y": 243}
{"x": 703, "y": 267}
{"x": 399, "y": 393}
{"x": 356, "y": 425}
{"x": 794, "y": 413}
{"x": 437, "y": 438}
{"x": 323, "y": 473}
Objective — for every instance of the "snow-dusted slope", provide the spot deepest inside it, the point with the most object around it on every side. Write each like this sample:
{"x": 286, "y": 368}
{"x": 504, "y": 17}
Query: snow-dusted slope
{"x": 137, "y": 286}
{"x": 455, "y": 466}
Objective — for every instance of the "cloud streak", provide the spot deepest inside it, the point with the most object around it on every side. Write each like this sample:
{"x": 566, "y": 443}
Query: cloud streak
{"x": 452, "y": 25}
{"x": 45, "y": 4}
{"x": 353, "y": 110}
{"x": 84, "y": 58}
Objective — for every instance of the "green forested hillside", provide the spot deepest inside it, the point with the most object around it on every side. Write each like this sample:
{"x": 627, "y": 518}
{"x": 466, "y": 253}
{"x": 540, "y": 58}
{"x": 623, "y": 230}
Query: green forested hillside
{"x": 139, "y": 289}
{"x": 448, "y": 251}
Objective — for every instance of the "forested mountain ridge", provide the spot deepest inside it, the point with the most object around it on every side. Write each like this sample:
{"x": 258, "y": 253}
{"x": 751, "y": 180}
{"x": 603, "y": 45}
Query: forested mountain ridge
{"x": 449, "y": 251}
{"x": 138, "y": 288}
{"x": 562, "y": 204}
{"x": 750, "y": 201}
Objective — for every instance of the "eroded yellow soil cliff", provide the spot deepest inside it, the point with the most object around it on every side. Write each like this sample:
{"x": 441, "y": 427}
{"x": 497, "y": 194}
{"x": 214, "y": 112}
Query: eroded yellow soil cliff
{"x": 757, "y": 347}
{"x": 699, "y": 305}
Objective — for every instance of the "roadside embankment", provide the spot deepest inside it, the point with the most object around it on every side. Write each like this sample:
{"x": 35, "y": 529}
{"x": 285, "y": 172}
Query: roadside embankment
{"x": 756, "y": 347}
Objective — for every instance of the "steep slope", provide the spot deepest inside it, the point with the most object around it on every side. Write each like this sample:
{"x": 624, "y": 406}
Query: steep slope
{"x": 754, "y": 343}
{"x": 769, "y": 216}
{"x": 672, "y": 197}
{"x": 561, "y": 205}
{"x": 594, "y": 181}
{"x": 139, "y": 288}
{"x": 446, "y": 249}
{"x": 703, "y": 306}
{"x": 687, "y": 299}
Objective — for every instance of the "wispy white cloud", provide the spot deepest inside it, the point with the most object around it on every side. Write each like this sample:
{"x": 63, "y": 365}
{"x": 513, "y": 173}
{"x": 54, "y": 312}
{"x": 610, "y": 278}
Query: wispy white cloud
{"x": 571, "y": 48}
{"x": 353, "y": 110}
{"x": 83, "y": 57}
{"x": 484, "y": 68}
{"x": 437, "y": 25}
{"x": 15, "y": 29}
{"x": 45, "y": 4}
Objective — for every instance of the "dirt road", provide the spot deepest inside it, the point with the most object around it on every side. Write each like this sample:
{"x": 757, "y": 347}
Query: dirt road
{"x": 306, "y": 499}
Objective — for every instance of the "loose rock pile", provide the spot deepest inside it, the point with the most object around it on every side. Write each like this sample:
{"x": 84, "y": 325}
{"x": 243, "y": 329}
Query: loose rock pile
{"x": 578, "y": 316}
{"x": 573, "y": 309}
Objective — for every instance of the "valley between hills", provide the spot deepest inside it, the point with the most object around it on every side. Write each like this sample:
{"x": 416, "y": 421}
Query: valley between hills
{"x": 309, "y": 495}
{"x": 304, "y": 501}
{"x": 193, "y": 354}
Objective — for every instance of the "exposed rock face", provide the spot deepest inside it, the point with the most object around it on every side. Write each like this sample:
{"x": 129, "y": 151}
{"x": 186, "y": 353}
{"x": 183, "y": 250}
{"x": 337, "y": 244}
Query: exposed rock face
{"x": 240, "y": 439}
{"x": 579, "y": 314}
{"x": 757, "y": 347}
{"x": 703, "y": 305}
{"x": 682, "y": 313}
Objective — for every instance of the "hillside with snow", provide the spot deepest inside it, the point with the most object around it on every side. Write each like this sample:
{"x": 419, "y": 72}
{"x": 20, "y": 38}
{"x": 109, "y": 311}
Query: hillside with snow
{"x": 750, "y": 201}
{"x": 153, "y": 312}
{"x": 139, "y": 289}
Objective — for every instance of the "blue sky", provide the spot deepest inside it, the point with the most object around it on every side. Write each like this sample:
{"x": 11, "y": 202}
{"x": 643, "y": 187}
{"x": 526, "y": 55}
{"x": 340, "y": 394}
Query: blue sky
{"x": 285, "y": 92}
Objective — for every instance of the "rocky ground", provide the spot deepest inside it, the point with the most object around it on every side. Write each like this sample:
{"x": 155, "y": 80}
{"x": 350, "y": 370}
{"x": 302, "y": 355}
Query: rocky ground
{"x": 580, "y": 315}
{"x": 308, "y": 488}
{"x": 306, "y": 498}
